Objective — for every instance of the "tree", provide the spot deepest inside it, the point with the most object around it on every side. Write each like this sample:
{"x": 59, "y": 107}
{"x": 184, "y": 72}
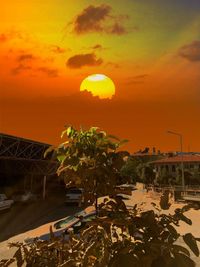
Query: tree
{"x": 89, "y": 159}
{"x": 117, "y": 237}
{"x": 129, "y": 169}
{"x": 146, "y": 172}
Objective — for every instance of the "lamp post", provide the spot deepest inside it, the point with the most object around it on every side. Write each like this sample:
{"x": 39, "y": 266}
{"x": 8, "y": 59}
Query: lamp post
{"x": 181, "y": 147}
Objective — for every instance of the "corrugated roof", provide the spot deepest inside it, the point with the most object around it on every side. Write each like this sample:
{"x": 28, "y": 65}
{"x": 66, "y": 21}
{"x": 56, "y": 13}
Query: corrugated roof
{"x": 178, "y": 159}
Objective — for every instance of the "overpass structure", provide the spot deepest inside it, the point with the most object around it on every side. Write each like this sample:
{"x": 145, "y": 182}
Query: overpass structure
{"x": 22, "y": 158}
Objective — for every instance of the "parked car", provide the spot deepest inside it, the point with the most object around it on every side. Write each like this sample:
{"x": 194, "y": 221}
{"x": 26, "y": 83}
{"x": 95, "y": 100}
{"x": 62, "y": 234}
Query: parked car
{"x": 74, "y": 195}
{"x": 5, "y": 203}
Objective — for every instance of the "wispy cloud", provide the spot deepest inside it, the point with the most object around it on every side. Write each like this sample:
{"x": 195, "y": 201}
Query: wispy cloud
{"x": 191, "y": 51}
{"x": 3, "y": 38}
{"x": 27, "y": 62}
{"x": 57, "y": 49}
{"x": 12, "y": 34}
{"x": 97, "y": 47}
{"x": 20, "y": 68}
{"x": 118, "y": 29}
{"x": 26, "y": 57}
{"x": 81, "y": 60}
{"x": 50, "y": 72}
{"x": 137, "y": 79}
{"x": 113, "y": 64}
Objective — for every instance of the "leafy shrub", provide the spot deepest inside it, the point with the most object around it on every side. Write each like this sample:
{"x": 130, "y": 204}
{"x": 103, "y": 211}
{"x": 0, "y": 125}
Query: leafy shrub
{"x": 117, "y": 237}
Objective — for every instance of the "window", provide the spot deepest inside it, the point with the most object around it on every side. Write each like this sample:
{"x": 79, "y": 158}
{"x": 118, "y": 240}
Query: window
{"x": 173, "y": 168}
{"x": 187, "y": 166}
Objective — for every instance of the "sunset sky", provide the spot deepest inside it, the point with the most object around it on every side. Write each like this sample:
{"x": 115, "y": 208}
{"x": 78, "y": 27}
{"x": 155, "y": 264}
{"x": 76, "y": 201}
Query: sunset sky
{"x": 150, "y": 49}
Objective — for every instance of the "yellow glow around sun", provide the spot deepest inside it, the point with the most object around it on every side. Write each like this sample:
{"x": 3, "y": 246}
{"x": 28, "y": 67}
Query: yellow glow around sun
{"x": 99, "y": 85}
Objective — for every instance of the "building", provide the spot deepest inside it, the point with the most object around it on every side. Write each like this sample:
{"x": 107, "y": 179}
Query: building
{"x": 171, "y": 166}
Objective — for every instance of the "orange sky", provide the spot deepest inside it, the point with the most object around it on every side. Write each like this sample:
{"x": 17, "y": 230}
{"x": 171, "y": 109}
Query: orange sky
{"x": 150, "y": 49}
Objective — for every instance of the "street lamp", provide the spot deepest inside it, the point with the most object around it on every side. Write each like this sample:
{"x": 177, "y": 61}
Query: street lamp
{"x": 181, "y": 147}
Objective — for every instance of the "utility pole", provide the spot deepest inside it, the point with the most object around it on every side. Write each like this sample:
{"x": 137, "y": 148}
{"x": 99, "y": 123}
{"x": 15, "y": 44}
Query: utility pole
{"x": 181, "y": 149}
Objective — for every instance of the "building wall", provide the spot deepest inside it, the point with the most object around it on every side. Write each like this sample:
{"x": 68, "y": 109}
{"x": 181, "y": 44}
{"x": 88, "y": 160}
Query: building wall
{"x": 170, "y": 169}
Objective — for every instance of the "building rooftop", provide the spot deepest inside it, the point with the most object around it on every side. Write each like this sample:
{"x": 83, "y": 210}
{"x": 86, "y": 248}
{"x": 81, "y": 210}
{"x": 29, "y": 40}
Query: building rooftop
{"x": 179, "y": 159}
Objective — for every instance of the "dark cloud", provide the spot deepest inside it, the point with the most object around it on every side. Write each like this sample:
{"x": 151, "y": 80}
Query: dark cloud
{"x": 57, "y": 49}
{"x": 91, "y": 18}
{"x": 50, "y": 72}
{"x": 9, "y": 35}
{"x": 118, "y": 29}
{"x": 96, "y": 19}
{"x": 137, "y": 79}
{"x": 20, "y": 68}
{"x": 3, "y": 38}
{"x": 191, "y": 51}
{"x": 82, "y": 60}
{"x": 113, "y": 64}
{"x": 97, "y": 46}
{"x": 26, "y": 57}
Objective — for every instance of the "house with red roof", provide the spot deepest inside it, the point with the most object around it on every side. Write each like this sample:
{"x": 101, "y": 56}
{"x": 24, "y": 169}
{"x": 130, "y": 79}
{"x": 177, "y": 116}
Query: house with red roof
{"x": 170, "y": 165}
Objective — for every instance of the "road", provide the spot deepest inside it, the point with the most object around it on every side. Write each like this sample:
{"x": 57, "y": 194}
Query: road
{"x": 26, "y": 220}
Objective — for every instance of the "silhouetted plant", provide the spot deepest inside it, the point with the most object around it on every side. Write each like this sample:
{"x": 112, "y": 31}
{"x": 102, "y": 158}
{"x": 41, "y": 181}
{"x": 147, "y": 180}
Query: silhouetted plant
{"x": 117, "y": 237}
{"x": 89, "y": 159}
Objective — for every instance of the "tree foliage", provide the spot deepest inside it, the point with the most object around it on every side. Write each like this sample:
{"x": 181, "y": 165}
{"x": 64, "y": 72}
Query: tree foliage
{"x": 117, "y": 237}
{"x": 89, "y": 159}
{"x": 129, "y": 170}
{"x": 138, "y": 169}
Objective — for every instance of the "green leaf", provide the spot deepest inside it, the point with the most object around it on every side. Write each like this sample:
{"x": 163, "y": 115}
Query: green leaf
{"x": 48, "y": 150}
{"x": 182, "y": 260}
{"x": 63, "y": 133}
{"x": 19, "y": 258}
{"x": 6, "y": 263}
{"x": 93, "y": 129}
{"x": 191, "y": 242}
{"x": 172, "y": 231}
{"x": 61, "y": 158}
{"x": 128, "y": 260}
{"x": 181, "y": 249}
{"x": 65, "y": 143}
{"x": 183, "y": 218}
{"x": 75, "y": 168}
{"x": 113, "y": 137}
{"x": 123, "y": 142}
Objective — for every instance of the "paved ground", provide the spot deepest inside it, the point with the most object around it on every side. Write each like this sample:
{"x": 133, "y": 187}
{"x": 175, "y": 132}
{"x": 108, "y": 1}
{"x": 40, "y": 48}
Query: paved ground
{"x": 24, "y": 217}
{"x": 33, "y": 220}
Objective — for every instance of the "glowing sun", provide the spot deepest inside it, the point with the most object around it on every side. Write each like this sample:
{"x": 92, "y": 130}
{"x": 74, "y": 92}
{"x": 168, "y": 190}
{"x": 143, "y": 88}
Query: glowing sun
{"x": 99, "y": 85}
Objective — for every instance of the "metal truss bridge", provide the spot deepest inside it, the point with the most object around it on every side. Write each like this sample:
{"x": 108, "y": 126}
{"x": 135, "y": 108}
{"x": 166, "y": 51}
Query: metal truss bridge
{"x": 25, "y": 156}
